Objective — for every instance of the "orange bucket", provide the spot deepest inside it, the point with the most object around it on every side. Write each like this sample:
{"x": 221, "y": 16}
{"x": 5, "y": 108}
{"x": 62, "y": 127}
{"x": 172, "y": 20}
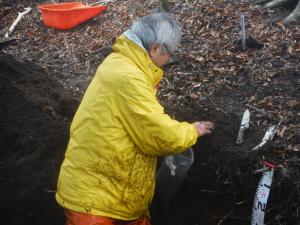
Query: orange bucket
{"x": 65, "y": 16}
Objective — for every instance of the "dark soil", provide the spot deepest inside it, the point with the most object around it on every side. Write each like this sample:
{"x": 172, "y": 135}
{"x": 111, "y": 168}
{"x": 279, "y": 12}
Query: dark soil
{"x": 221, "y": 185}
{"x": 44, "y": 72}
{"x": 34, "y": 120}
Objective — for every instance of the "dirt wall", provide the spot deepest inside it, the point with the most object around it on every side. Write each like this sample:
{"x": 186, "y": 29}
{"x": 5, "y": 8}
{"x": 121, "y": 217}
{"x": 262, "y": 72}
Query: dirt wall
{"x": 34, "y": 121}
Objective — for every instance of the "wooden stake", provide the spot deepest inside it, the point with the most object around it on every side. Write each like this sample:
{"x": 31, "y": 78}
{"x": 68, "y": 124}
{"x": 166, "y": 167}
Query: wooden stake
{"x": 20, "y": 15}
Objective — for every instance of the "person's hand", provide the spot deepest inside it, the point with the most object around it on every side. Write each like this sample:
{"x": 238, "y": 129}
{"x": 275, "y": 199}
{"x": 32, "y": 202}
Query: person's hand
{"x": 204, "y": 127}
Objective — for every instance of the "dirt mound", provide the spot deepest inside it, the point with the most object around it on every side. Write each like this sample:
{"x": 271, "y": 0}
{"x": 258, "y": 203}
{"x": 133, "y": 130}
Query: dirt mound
{"x": 34, "y": 122}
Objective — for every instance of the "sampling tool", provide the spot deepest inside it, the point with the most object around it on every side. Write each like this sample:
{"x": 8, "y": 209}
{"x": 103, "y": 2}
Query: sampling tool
{"x": 268, "y": 135}
{"x": 244, "y": 126}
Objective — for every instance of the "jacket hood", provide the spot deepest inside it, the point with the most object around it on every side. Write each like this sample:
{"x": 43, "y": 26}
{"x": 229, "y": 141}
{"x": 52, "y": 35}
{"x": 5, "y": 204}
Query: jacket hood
{"x": 129, "y": 45}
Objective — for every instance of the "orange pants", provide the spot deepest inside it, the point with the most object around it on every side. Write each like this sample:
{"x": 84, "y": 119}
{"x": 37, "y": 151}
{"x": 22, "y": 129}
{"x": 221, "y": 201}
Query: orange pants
{"x": 76, "y": 218}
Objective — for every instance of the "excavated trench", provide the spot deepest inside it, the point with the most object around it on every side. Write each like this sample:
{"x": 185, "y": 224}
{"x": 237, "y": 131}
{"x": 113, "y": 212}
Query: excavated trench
{"x": 34, "y": 121}
{"x": 220, "y": 183}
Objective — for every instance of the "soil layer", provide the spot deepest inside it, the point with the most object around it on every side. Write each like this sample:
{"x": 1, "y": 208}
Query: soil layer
{"x": 44, "y": 73}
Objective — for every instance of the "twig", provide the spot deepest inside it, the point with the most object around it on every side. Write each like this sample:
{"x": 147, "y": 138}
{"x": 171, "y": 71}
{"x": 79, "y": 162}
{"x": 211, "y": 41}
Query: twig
{"x": 238, "y": 218}
{"x": 49, "y": 191}
{"x": 101, "y": 2}
{"x": 215, "y": 106}
{"x": 213, "y": 192}
{"x": 260, "y": 170}
{"x": 83, "y": 36}
{"x": 186, "y": 1}
{"x": 177, "y": 6}
{"x": 225, "y": 217}
{"x": 259, "y": 110}
{"x": 242, "y": 202}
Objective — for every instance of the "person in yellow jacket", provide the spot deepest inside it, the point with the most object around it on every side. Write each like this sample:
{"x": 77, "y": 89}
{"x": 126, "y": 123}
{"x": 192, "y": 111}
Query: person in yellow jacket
{"x": 120, "y": 129}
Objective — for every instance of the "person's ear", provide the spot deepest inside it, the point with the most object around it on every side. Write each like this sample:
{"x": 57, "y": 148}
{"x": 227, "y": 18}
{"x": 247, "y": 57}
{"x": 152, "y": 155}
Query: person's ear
{"x": 154, "y": 49}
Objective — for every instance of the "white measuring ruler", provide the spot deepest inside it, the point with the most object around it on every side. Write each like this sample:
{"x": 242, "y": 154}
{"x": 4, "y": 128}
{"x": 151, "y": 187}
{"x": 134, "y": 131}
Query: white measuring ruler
{"x": 261, "y": 196}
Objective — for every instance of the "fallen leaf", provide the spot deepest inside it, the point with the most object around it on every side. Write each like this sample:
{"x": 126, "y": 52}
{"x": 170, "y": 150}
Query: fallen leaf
{"x": 228, "y": 52}
{"x": 281, "y": 25}
{"x": 251, "y": 99}
{"x": 297, "y": 49}
{"x": 214, "y": 34}
{"x": 265, "y": 103}
{"x": 293, "y": 103}
{"x": 199, "y": 59}
{"x": 194, "y": 96}
{"x": 280, "y": 132}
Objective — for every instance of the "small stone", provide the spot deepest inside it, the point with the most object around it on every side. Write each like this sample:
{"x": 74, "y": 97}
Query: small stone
{"x": 296, "y": 148}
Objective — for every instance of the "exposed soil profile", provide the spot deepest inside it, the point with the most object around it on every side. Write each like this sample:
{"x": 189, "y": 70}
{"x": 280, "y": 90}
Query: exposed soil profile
{"x": 34, "y": 121}
{"x": 219, "y": 188}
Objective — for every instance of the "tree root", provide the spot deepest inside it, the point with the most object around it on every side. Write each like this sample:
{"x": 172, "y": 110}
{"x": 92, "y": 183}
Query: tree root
{"x": 294, "y": 17}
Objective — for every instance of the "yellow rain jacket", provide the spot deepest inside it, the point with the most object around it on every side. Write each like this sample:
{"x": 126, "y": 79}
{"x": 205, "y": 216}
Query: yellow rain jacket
{"x": 117, "y": 134}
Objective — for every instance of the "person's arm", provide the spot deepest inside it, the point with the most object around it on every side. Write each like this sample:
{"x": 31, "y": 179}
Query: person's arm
{"x": 153, "y": 131}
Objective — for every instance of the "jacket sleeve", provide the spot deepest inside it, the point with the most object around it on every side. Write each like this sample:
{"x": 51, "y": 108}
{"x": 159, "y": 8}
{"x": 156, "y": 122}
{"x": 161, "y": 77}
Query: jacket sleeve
{"x": 143, "y": 118}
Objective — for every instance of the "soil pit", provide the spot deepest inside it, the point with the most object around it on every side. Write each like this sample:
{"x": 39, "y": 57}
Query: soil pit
{"x": 221, "y": 185}
{"x": 217, "y": 183}
{"x": 35, "y": 119}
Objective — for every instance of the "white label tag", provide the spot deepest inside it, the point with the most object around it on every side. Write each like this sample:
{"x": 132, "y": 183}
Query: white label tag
{"x": 261, "y": 198}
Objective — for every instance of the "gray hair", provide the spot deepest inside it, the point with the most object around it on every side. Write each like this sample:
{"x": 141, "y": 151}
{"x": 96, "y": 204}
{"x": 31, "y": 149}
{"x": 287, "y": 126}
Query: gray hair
{"x": 158, "y": 28}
